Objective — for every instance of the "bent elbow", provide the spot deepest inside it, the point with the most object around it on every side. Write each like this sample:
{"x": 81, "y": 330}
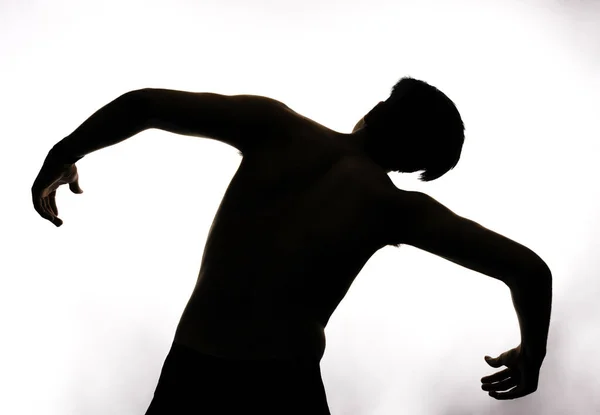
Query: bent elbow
{"x": 537, "y": 273}
{"x": 542, "y": 269}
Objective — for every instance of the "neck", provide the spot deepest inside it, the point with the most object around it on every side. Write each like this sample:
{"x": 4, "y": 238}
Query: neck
{"x": 358, "y": 140}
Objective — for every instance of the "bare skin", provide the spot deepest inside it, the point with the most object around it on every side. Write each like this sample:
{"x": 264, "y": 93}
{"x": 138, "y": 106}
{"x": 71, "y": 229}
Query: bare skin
{"x": 303, "y": 214}
{"x": 296, "y": 225}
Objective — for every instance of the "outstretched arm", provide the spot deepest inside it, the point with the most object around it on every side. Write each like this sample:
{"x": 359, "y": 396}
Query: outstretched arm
{"x": 242, "y": 121}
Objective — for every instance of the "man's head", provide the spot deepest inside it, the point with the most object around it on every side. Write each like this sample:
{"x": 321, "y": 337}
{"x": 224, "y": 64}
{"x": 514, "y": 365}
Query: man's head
{"x": 417, "y": 128}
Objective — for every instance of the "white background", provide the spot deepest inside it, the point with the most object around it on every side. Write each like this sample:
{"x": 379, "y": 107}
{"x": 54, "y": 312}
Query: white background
{"x": 88, "y": 310}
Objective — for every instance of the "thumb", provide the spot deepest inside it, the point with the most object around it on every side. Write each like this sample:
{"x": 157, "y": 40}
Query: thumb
{"x": 494, "y": 362}
{"x": 74, "y": 186}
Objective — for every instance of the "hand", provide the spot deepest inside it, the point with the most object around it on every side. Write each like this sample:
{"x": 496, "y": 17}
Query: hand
{"x": 522, "y": 371}
{"x": 54, "y": 173}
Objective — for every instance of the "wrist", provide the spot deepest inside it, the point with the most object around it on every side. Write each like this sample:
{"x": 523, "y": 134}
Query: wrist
{"x": 535, "y": 354}
{"x": 61, "y": 153}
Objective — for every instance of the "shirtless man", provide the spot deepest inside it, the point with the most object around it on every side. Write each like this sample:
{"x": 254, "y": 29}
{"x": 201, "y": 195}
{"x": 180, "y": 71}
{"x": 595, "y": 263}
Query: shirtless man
{"x": 305, "y": 211}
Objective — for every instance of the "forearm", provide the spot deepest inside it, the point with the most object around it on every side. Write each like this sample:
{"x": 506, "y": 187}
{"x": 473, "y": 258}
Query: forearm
{"x": 532, "y": 299}
{"x": 120, "y": 119}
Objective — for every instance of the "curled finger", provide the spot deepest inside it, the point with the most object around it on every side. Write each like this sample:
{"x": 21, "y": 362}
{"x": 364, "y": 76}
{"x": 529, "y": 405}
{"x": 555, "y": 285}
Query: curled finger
{"x": 496, "y": 377}
{"x": 51, "y": 216}
{"x": 500, "y": 386}
{"x": 52, "y": 203}
{"x": 44, "y": 210}
{"x": 511, "y": 394}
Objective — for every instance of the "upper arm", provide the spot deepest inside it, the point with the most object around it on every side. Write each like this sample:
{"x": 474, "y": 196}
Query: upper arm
{"x": 242, "y": 121}
{"x": 426, "y": 224}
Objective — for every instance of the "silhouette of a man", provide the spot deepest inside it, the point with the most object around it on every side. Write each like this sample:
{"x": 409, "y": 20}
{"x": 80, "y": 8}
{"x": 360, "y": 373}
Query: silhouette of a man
{"x": 305, "y": 211}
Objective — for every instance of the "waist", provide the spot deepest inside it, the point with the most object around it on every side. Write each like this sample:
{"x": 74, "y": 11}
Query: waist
{"x": 245, "y": 338}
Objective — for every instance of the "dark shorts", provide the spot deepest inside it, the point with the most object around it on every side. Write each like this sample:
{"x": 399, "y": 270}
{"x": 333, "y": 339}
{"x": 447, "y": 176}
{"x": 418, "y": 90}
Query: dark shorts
{"x": 200, "y": 384}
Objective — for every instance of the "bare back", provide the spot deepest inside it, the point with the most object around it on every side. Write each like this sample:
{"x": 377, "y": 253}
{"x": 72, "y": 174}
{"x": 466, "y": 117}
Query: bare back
{"x": 298, "y": 222}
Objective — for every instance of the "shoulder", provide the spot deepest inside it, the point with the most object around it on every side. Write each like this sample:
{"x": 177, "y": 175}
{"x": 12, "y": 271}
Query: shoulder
{"x": 401, "y": 212}
{"x": 393, "y": 209}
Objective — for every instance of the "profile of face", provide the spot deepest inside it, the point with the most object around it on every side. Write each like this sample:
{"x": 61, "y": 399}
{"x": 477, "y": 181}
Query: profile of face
{"x": 359, "y": 125}
{"x": 362, "y": 122}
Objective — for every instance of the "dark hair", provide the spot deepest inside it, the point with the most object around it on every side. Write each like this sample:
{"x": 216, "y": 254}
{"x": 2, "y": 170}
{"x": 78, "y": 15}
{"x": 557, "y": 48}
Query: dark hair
{"x": 430, "y": 118}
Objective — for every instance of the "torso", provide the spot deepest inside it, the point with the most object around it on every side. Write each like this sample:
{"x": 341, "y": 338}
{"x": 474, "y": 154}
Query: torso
{"x": 298, "y": 222}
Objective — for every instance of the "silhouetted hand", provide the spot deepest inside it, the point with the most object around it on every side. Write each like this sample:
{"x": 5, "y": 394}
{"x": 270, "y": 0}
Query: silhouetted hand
{"x": 522, "y": 371}
{"x": 53, "y": 174}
